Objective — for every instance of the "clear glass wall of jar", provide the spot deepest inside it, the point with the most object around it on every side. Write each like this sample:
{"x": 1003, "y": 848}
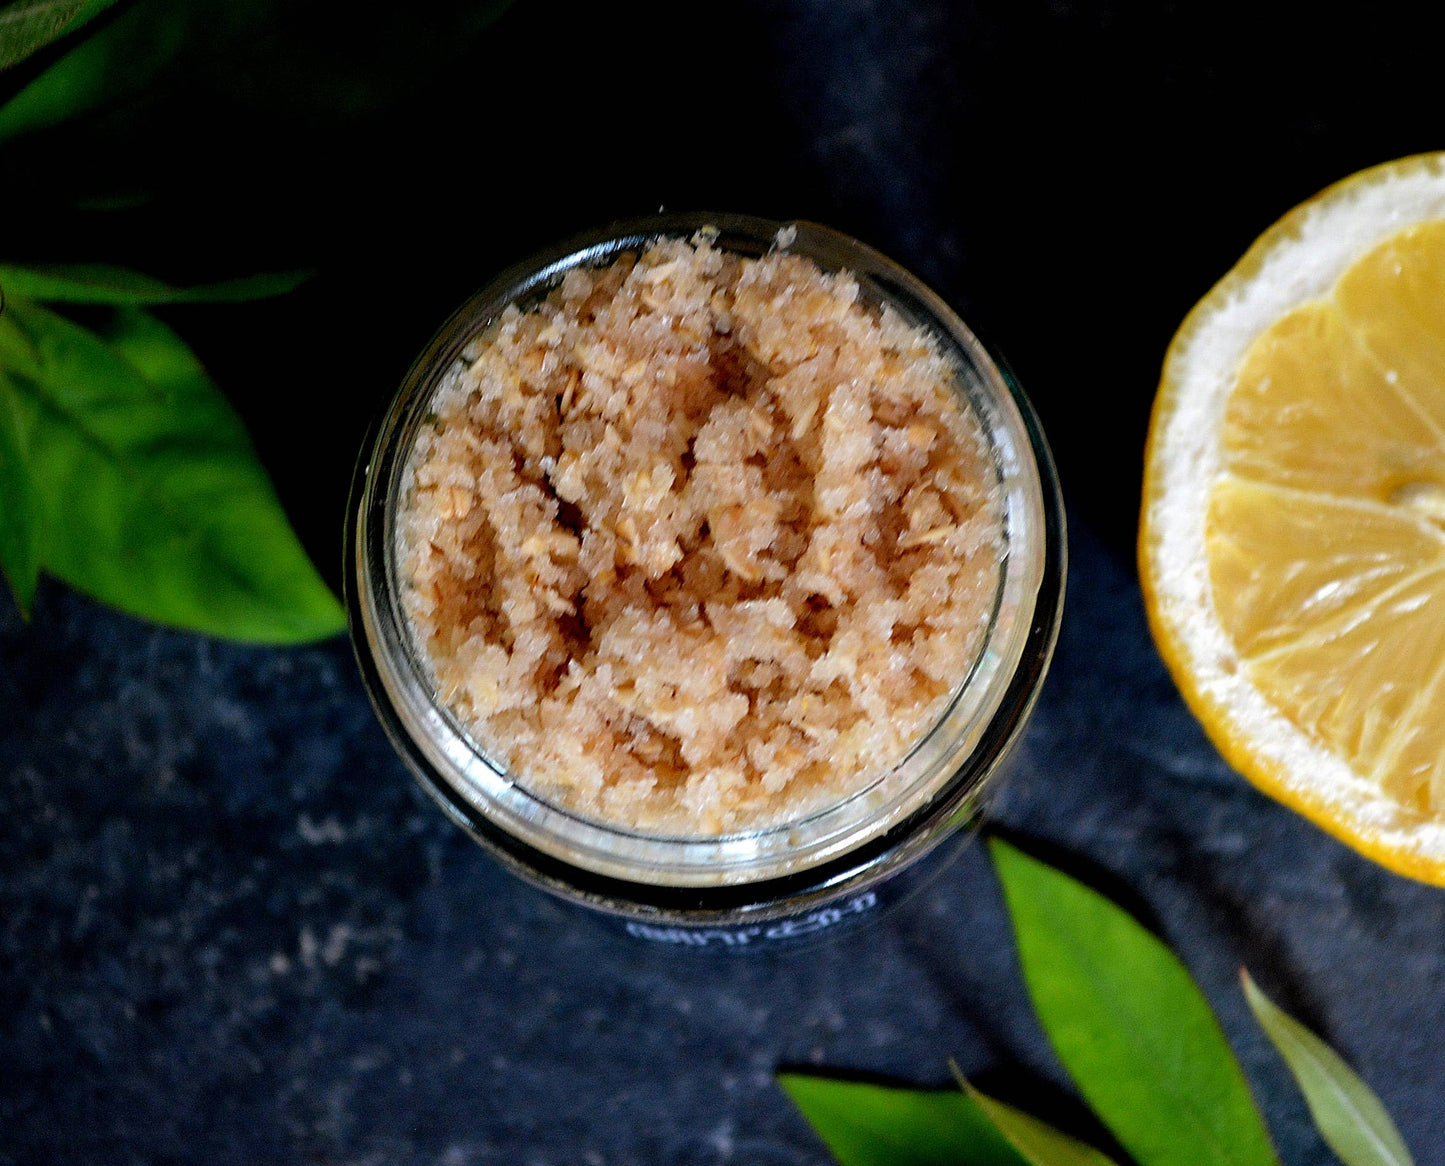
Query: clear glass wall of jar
{"x": 761, "y": 887}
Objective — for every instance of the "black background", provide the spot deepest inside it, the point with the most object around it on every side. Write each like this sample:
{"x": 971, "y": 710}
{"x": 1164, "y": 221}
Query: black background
{"x": 230, "y": 929}
{"x": 1072, "y": 177}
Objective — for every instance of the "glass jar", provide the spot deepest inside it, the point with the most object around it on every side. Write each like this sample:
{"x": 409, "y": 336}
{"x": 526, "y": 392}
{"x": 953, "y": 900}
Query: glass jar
{"x": 765, "y": 886}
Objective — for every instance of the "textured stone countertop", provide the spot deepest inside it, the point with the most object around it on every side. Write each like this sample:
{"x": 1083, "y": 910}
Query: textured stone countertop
{"x": 233, "y": 930}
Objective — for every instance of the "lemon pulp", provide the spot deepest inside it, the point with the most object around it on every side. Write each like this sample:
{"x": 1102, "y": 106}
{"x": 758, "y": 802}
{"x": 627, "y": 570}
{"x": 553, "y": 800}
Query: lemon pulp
{"x": 1325, "y": 531}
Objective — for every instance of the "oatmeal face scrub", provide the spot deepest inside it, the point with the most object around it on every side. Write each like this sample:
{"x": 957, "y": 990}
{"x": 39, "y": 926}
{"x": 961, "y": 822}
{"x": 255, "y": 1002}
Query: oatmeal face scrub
{"x": 714, "y": 555}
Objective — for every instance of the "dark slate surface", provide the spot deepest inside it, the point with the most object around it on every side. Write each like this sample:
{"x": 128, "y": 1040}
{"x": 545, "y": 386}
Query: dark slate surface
{"x": 231, "y": 929}
{"x": 234, "y": 931}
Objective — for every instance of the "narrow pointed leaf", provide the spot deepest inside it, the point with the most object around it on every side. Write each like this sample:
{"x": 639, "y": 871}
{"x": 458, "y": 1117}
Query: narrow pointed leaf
{"x": 96, "y": 284}
{"x": 1129, "y": 1024}
{"x": 151, "y": 495}
{"x": 1038, "y": 1142}
{"x": 27, "y": 26}
{"x": 114, "y": 63}
{"x": 19, "y": 507}
{"x": 874, "y": 1125}
{"x": 1350, "y": 1118}
{"x": 296, "y": 57}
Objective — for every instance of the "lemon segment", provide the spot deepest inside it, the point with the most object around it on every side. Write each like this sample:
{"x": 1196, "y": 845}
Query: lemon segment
{"x": 1289, "y": 567}
{"x": 1394, "y": 301}
{"x": 1314, "y": 410}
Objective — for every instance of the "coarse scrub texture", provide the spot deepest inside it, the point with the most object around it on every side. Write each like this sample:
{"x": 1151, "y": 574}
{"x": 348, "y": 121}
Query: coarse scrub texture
{"x": 701, "y": 543}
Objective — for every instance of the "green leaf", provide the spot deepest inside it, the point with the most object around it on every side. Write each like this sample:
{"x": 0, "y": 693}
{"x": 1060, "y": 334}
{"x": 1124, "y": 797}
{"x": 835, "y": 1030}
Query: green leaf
{"x": 20, "y": 512}
{"x": 117, "y": 62}
{"x": 296, "y": 58}
{"x": 1129, "y": 1024}
{"x": 1038, "y": 1142}
{"x": 1351, "y": 1119}
{"x": 151, "y": 496}
{"x": 99, "y": 284}
{"x": 874, "y": 1125}
{"x": 27, "y": 26}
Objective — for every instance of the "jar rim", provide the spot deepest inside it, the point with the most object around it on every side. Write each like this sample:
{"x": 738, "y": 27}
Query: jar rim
{"x": 935, "y": 785}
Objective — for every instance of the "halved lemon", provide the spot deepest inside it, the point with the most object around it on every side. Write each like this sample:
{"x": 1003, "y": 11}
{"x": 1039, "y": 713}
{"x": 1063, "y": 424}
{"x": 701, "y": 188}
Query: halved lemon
{"x": 1292, "y": 542}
